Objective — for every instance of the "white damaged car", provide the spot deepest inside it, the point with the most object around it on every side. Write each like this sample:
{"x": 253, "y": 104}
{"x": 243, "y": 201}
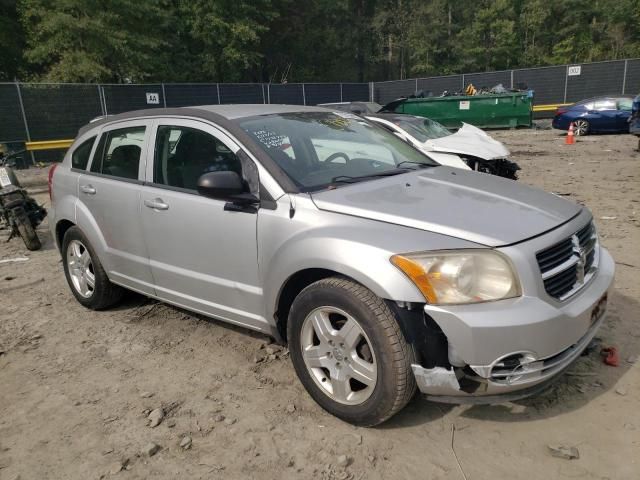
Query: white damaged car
{"x": 468, "y": 148}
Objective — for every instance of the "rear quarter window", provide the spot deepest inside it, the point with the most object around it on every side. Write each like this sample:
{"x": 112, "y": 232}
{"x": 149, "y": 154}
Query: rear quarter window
{"x": 80, "y": 156}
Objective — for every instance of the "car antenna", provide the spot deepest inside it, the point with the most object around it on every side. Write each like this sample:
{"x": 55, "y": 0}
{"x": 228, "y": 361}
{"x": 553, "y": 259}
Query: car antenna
{"x": 292, "y": 206}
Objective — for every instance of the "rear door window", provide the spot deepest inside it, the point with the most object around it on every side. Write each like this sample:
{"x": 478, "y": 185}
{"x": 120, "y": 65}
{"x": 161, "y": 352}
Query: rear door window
{"x": 80, "y": 156}
{"x": 118, "y": 153}
{"x": 183, "y": 154}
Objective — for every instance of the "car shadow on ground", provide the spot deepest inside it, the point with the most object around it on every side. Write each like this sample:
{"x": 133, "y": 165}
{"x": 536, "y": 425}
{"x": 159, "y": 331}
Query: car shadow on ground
{"x": 138, "y": 307}
{"x": 584, "y": 381}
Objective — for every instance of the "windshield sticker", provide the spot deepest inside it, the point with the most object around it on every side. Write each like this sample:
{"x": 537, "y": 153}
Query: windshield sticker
{"x": 271, "y": 139}
{"x": 337, "y": 123}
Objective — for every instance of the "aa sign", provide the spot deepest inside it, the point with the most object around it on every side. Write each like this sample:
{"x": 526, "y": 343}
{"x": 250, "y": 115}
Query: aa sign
{"x": 153, "y": 98}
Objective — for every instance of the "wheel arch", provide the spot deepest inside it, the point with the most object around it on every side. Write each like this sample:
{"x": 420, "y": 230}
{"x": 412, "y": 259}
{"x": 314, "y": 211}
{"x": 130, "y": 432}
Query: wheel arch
{"x": 61, "y": 228}
{"x": 292, "y": 287}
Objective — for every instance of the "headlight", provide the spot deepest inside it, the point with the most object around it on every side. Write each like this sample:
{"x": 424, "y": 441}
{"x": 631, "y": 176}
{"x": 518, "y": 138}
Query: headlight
{"x": 462, "y": 276}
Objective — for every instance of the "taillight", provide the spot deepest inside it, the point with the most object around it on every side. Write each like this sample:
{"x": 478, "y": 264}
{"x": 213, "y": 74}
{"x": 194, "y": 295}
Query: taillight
{"x": 560, "y": 111}
{"x": 50, "y": 181}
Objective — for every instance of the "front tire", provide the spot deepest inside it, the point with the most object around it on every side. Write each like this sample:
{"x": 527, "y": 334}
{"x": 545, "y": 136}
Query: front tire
{"x": 84, "y": 272}
{"x": 581, "y": 127}
{"x": 349, "y": 353}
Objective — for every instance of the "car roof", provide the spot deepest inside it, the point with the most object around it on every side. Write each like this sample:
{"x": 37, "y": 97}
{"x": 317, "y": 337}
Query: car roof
{"x": 346, "y": 106}
{"x": 230, "y": 111}
{"x": 393, "y": 116}
{"x": 225, "y": 116}
{"x": 221, "y": 114}
{"x": 602, "y": 97}
{"x": 235, "y": 111}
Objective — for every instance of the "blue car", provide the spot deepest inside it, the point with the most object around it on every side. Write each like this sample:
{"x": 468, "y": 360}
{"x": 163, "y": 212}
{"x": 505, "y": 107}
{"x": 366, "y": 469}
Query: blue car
{"x": 596, "y": 115}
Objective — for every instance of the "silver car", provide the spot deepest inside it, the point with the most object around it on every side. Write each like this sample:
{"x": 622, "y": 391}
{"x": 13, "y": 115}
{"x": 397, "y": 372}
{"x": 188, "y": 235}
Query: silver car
{"x": 382, "y": 270}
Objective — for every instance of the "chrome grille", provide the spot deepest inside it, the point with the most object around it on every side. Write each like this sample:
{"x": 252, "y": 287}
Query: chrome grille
{"x": 569, "y": 265}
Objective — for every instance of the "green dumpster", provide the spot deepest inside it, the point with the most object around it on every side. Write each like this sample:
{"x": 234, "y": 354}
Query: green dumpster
{"x": 485, "y": 111}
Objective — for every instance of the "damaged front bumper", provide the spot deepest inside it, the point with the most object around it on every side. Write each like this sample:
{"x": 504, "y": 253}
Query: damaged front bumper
{"x": 502, "y": 351}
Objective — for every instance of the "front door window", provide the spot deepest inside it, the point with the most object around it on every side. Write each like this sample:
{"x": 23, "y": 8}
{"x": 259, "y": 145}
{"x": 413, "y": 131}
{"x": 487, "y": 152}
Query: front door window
{"x": 183, "y": 154}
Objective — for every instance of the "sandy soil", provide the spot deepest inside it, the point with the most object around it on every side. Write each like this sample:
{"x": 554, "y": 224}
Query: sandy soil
{"x": 76, "y": 386}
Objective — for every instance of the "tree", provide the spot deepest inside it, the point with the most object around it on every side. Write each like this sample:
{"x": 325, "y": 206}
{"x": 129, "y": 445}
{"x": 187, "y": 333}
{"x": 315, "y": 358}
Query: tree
{"x": 226, "y": 35}
{"x": 11, "y": 39}
{"x": 310, "y": 40}
{"x": 431, "y": 35}
{"x": 489, "y": 41}
{"x": 91, "y": 41}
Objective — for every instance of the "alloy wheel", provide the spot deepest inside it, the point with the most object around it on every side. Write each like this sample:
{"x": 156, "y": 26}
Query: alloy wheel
{"x": 581, "y": 127}
{"x": 338, "y": 355}
{"x": 80, "y": 268}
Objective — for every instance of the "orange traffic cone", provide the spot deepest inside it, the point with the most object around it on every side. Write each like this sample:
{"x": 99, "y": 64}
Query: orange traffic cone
{"x": 570, "y": 139}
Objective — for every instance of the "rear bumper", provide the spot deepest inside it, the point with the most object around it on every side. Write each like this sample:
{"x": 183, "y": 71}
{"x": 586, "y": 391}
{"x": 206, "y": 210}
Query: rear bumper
{"x": 559, "y": 124}
{"x": 509, "y": 349}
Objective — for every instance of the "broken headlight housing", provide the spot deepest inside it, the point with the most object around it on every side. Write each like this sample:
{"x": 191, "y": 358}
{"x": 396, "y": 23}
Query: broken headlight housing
{"x": 456, "y": 277}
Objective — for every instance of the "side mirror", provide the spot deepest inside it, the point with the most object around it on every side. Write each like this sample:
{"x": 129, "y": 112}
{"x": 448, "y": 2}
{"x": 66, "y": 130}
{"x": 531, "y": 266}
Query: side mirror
{"x": 225, "y": 185}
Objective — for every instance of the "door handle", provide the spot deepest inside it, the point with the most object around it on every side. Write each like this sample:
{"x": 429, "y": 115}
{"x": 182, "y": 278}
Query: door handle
{"x": 156, "y": 204}
{"x": 88, "y": 189}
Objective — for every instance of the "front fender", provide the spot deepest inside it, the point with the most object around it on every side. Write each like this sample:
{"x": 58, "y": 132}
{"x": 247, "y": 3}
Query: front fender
{"x": 355, "y": 247}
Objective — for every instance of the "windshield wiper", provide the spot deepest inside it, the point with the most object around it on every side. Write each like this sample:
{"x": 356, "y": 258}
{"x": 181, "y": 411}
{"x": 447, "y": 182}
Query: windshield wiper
{"x": 421, "y": 164}
{"x": 359, "y": 178}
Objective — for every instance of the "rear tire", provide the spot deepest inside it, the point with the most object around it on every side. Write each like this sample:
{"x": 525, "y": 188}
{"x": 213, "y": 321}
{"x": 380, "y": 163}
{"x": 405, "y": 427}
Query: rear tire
{"x": 84, "y": 272}
{"x": 26, "y": 230}
{"x": 358, "y": 367}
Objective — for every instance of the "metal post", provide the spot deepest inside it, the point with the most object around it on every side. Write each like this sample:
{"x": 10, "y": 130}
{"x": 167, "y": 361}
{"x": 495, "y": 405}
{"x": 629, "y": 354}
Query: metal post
{"x": 624, "y": 76}
{"x": 304, "y": 96}
{"x": 511, "y": 79}
{"x": 463, "y": 82}
{"x": 218, "y": 90}
{"x": 164, "y": 96}
{"x": 104, "y": 101}
{"x": 264, "y": 98}
{"x": 340, "y": 92}
{"x": 100, "y": 100}
{"x": 416, "y": 90}
{"x": 269, "y": 92}
{"x": 566, "y": 81}
{"x": 24, "y": 119}
{"x": 371, "y": 92}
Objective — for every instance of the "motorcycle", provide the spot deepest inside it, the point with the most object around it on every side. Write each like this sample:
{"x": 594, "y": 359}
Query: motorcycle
{"x": 18, "y": 211}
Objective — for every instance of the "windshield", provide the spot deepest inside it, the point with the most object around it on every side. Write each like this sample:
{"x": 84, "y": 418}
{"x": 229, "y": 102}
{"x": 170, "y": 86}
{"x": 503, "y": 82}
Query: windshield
{"x": 422, "y": 129}
{"x": 321, "y": 149}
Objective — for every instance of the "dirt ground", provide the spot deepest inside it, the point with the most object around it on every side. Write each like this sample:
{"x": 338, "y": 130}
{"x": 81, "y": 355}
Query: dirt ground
{"x": 76, "y": 386}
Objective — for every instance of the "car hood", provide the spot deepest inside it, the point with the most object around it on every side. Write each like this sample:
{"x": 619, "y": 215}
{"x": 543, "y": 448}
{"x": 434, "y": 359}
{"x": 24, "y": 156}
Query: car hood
{"x": 472, "y": 206}
{"x": 469, "y": 140}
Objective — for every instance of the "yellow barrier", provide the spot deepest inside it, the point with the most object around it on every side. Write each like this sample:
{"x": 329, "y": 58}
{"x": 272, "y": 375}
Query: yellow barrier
{"x": 47, "y": 145}
{"x": 550, "y": 107}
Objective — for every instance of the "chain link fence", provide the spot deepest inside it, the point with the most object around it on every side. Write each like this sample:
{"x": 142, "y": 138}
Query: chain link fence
{"x": 47, "y": 111}
{"x": 552, "y": 85}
